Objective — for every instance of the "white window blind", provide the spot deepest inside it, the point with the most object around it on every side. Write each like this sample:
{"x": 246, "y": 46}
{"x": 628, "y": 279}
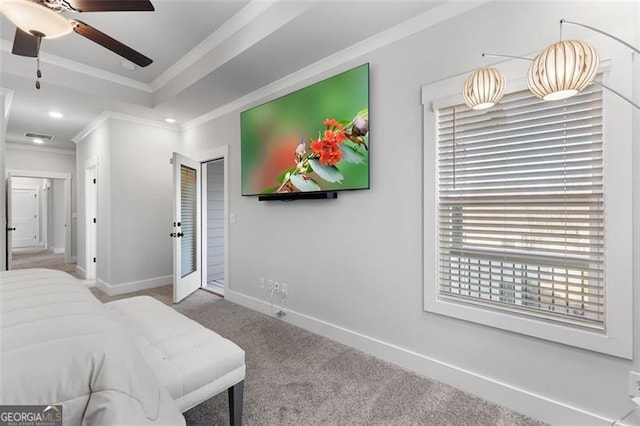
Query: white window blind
{"x": 188, "y": 216}
{"x": 521, "y": 209}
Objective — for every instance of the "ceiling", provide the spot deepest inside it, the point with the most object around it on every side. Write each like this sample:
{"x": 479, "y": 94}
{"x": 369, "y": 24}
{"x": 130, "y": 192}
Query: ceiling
{"x": 206, "y": 53}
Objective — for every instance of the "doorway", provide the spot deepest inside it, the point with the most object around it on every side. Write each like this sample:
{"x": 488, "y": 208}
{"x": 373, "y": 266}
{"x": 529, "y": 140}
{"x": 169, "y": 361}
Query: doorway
{"x": 213, "y": 204}
{"x": 38, "y": 207}
{"x": 209, "y": 196}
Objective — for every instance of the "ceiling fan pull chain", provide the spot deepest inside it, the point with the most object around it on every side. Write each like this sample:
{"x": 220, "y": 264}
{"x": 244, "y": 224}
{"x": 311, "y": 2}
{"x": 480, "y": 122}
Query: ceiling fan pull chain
{"x": 38, "y": 72}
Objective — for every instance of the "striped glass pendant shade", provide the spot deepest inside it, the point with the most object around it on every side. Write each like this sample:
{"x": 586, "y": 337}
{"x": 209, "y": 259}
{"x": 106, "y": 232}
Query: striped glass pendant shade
{"x": 562, "y": 70}
{"x": 483, "y": 88}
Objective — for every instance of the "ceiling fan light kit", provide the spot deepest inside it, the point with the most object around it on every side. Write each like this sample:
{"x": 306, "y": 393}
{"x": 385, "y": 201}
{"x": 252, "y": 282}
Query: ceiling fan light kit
{"x": 560, "y": 71}
{"x": 41, "y": 19}
{"x": 32, "y": 18}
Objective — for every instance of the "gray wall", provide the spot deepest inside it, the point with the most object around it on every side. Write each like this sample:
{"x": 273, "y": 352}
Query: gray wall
{"x": 142, "y": 200}
{"x": 360, "y": 267}
{"x": 134, "y": 201}
{"x": 215, "y": 220}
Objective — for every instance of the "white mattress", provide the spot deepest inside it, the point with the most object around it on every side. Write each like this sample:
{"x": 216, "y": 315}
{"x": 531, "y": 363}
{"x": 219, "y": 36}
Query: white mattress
{"x": 59, "y": 345}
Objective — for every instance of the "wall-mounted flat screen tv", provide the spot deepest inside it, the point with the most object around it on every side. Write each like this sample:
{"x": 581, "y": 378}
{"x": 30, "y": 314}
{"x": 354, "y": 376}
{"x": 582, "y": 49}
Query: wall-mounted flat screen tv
{"x": 313, "y": 140}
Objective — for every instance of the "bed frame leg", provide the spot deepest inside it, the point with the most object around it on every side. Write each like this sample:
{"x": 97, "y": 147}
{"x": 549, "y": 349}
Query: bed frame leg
{"x": 235, "y": 404}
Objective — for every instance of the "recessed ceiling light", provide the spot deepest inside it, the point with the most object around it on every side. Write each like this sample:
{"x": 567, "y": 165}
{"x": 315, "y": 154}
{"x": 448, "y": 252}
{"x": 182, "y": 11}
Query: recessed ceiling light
{"x": 127, "y": 65}
{"x": 55, "y": 114}
{"x": 170, "y": 120}
{"x": 38, "y": 141}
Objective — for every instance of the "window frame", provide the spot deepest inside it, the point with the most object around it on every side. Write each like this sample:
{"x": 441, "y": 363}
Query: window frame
{"x": 617, "y": 338}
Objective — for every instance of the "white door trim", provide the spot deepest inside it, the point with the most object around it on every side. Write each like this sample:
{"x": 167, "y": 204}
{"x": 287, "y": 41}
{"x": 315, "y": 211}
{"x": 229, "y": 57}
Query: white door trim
{"x": 211, "y": 154}
{"x": 67, "y": 200}
{"x": 90, "y": 211}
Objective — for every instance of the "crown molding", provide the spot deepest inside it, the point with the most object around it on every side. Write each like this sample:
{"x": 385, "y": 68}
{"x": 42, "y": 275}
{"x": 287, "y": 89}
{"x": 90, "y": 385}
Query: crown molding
{"x": 108, "y": 115}
{"x": 238, "y": 21}
{"x": 7, "y": 94}
{"x": 23, "y": 147}
{"x": 93, "y": 125}
{"x": 405, "y": 29}
{"x": 58, "y": 61}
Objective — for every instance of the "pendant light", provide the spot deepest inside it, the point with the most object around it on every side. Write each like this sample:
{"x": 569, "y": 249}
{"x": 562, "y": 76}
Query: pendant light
{"x": 483, "y": 88}
{"x": 562, "y": 70}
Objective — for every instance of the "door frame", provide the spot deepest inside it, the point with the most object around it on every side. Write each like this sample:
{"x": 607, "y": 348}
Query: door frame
{"x": 91, "y": 211}
{"x": 205, "y": 156}
{"x": 67, "y": 177}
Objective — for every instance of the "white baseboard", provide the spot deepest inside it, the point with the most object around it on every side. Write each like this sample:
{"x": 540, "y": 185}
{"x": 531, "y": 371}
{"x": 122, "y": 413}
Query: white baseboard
{"x": 518, "y": 399}
{"x": 117, "y": 289}
{"x": 58, "y": 250}
{"x": 81, "y": 272}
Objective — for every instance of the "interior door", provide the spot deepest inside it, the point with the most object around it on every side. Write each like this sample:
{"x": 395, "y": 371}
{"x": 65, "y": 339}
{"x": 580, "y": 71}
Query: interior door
{"x": 187, "y": 240}
{"x": 9, "y": 224}
{"x": 24, "y": 215}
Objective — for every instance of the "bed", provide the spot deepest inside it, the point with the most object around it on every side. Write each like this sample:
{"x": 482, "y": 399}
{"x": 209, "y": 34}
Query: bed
{"x": 60, "y": 345}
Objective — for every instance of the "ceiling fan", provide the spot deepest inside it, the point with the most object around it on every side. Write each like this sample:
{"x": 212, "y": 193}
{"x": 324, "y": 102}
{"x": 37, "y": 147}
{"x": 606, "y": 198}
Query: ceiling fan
{"x": 42, "y": 19}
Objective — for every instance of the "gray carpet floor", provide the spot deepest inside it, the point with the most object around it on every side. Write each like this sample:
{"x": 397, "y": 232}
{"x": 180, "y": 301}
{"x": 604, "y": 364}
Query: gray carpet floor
{"x": 295, "y": 377}
{"x": 39, "y": 257}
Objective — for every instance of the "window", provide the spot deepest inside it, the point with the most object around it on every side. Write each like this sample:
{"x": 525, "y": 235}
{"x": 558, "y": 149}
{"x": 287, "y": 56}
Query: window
{"x": 521, "y": 209}
{"x": 528, "y": 213}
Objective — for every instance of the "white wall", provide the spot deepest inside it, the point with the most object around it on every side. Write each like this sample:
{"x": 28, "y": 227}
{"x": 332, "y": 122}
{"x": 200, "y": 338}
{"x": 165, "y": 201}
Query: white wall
{"x": 134, "y": 203}
{"x": 215, "y": 220}
{"x": 358, "y": 277}
{"x": 44, "y": 161}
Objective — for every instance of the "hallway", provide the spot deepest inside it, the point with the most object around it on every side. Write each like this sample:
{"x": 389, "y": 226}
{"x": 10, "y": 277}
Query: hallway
{"x": 38, "y": 257}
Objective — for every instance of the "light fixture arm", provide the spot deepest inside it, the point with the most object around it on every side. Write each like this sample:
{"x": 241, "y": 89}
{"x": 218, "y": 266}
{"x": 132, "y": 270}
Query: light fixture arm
{"x": 497, "y": 55}
{"x": 597, "y": 83}
{"x": 635, "y": 49}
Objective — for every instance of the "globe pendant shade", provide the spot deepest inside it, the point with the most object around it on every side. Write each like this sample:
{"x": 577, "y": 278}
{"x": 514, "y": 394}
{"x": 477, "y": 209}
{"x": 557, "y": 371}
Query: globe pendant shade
{"x": 483, "y": 88}
{"x": 562, "y": 70}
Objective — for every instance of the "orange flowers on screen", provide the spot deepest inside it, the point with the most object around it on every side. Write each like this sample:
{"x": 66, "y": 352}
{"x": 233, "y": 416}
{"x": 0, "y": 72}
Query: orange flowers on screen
{"x": 327, "y": 147}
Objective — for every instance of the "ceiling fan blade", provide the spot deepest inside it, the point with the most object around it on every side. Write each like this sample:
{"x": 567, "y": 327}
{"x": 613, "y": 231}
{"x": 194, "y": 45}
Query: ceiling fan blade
{"x": 110, "y": 5}
{"x": 24, "y": 44}
{"x": 110, "y": 43}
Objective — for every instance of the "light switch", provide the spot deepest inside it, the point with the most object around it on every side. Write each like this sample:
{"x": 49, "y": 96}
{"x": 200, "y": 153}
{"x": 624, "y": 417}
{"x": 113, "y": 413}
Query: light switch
{"x": 232, "y": 218}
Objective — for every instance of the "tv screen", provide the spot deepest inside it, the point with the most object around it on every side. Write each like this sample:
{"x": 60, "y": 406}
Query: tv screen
{"x": 313, "y": 140}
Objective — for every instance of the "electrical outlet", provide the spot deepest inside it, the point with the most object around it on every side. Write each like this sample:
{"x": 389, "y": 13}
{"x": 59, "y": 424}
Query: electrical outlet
{"x": 269, "y": 285}
{"x": 634, "y": 383}
{"x": 261, "y": 282}
{"x": 284, "y": 290}
{"x": 276, "y": 286}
